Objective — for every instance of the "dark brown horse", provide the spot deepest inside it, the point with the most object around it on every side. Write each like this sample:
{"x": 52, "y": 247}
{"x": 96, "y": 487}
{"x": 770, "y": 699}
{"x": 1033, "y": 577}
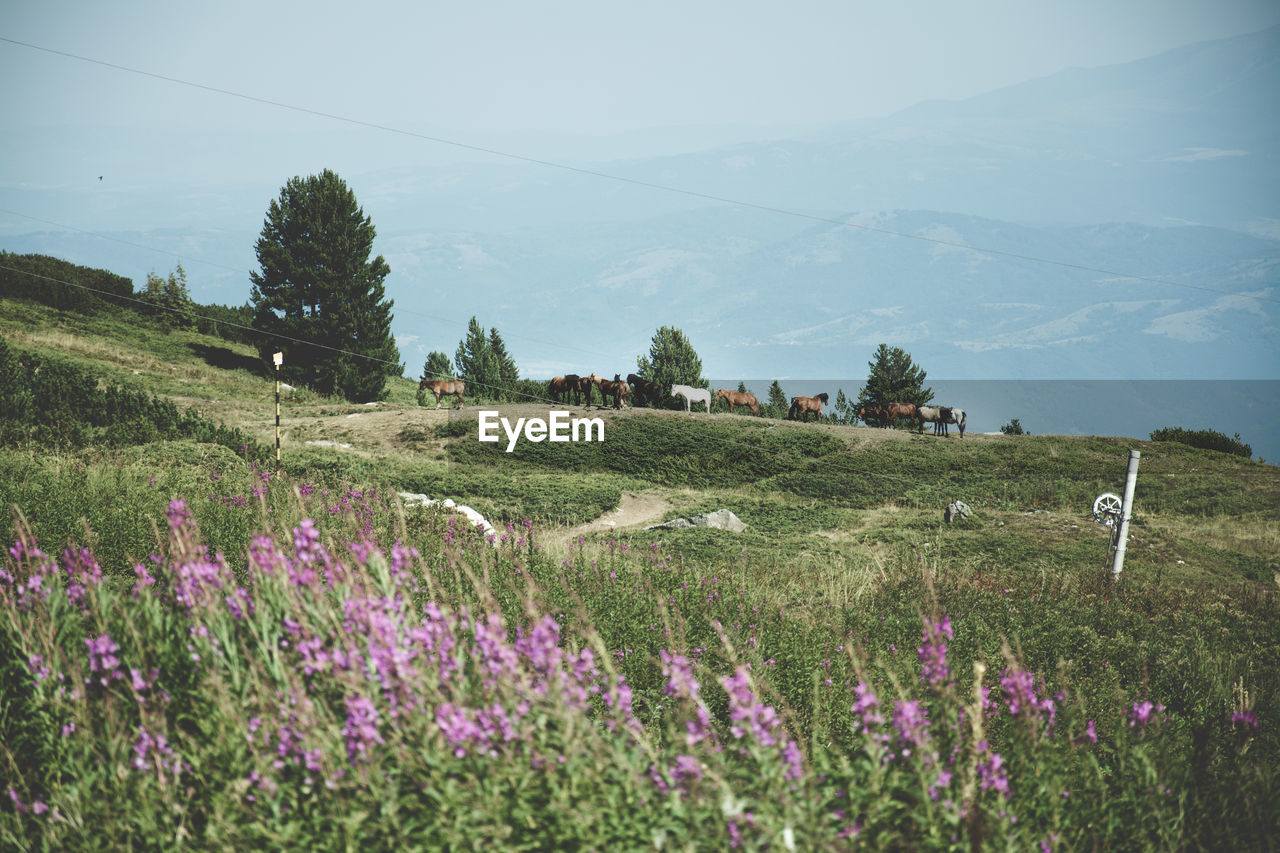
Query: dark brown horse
{"x": 562, "y": 388}
{"x": 739, "y": 398}
{"x": 801, "y": 407}
{"x": 645, "y": 390}
{"x": 896, "y": 411}
{"x": 443, "y": 388}
{"x": 615, "y": 388}
{"x": 586, "y": 383}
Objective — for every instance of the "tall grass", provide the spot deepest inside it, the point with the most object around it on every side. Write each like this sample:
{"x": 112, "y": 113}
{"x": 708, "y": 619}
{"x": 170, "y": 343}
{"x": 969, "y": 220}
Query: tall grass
{"x": 352, "y": 678}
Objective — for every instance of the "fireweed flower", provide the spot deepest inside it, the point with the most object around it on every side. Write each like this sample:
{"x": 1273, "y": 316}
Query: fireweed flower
{"x": 1023, "y": 698}
{"x": 103, "y": 660}
{"x": 1140, "y": 714}
{"x": 679, "y": 673}
{"x": 933, "y": 651}
{"x": 744, "y": 708}
{"x": 911, "y": 721}
{"x": 361, "y": 727}
{"x": 992, "y": 774}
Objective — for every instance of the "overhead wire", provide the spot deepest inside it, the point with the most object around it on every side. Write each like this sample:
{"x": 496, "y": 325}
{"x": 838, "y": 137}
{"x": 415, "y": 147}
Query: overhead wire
{"x": 637, "y": 181}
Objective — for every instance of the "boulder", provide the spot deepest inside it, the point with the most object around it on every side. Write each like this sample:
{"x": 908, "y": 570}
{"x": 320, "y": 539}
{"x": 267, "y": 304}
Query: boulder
{"x": 957, "y": 509}
{"x": 721, "y": 519}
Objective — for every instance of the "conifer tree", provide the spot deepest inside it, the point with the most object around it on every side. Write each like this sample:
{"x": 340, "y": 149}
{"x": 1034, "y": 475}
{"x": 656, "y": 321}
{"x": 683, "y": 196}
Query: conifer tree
{"x": 778, "y": 403}
{"x": 894, "y": 378}
{"x": 672, "y": 360}
{"x": 318, "y": 297}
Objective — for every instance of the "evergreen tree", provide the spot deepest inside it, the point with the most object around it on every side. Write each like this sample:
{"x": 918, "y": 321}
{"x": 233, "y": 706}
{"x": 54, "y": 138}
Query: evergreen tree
{"x": 844, "y": 411}
{"x": 438, "y": 366}
{"x": 508, "y": 374}
{"x": 778, "y": 403}
{"x": 474, "y": 362}
{"x": 318, "y": 297}
{"x": 742, "y": 387}
{"x": 672, "y": 360}
{"x": 894, "y": 378}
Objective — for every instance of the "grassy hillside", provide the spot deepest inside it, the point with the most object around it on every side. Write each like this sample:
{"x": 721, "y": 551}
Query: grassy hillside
{"x": 845, "y": 553}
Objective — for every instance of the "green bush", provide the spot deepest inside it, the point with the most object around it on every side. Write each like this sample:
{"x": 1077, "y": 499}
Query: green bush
{"x": 1206, "y": 439}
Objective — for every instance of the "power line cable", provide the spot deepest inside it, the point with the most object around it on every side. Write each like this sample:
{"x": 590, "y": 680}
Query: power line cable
{"x": 532, "y": 398}
{"x": 638, "y": 182}
{"x": 440, "y": 318}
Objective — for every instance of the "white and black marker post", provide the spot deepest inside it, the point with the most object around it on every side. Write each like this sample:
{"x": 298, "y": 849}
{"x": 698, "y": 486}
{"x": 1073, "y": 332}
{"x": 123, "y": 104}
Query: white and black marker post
{"x": 278, "y": 358}
{"x": 1126, "y": 508}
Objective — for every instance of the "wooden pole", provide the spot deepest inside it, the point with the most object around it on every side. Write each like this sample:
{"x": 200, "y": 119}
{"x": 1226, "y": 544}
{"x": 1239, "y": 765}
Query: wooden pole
{"x": 1126, "y": 508}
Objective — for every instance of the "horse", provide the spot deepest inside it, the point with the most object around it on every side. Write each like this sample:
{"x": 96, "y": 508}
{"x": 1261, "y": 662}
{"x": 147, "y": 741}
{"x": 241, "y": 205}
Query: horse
{"x": 738, "y": 398}
{"x": 936, "y": 415}
{"x": 802, "y": 406}
{"x": 692, "y": 395}
{"x": 893, "y": 411}
{"x": 444, "y": 387}
{"x": 874, "y": 411}
{"x": 560, "y": 387}
{"x": 956, "y": 417}
{"x": 615, "y": 387}
{"x": 586, "y": 383}
{"x": 645, "y": 389}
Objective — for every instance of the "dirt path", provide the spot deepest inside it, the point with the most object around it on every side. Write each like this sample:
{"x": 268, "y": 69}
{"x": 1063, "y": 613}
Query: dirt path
{"x": 632, "y": 511}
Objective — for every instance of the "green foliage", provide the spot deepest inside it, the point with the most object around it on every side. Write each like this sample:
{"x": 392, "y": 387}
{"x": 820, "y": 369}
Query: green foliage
{"x": 50, "y": 402}
{"x": 169, "y": 300}
{"x": 53, "y": 282}
{"x": 437, "y": 366}
{"x": 894, "y": 378}
{"x": 1013, "y": 427}
{"x": 672, "y": 360}
{"x": 483, "y": 361}
{"x": 318, "y": 298}
{"x": 1206, "y": 439}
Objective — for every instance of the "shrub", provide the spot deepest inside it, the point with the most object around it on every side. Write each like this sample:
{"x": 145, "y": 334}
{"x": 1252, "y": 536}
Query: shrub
{"x": 1206, "y": 439}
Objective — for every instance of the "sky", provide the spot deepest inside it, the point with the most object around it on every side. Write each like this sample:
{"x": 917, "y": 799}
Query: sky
{"x": 537, "y": 72}
{"x": 570, "y": 82}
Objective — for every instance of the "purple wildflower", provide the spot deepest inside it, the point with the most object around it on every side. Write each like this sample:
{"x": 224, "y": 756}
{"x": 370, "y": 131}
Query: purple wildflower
{"x": 933, "y": 651}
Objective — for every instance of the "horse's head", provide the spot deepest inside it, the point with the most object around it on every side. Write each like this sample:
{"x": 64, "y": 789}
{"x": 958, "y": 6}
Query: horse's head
{"x": 823, "y": 397}
{"x": 595, "y": 378}
{"x": 722, "y": 394}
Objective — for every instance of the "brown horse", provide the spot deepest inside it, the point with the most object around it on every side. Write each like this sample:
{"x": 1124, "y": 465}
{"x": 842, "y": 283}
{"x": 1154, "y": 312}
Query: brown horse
{"x": 616, "y": 388}
{"x": 561, "y": 388}
{"x": 739, "y": 398}
{"x": 645, "y": 390}
{"x": 586, "y": 383}
{"x": 444, "y": 387}
{"x": 874, "y": 412}
{"x": 894, "y": 411}
{"x": 801, "y": 407}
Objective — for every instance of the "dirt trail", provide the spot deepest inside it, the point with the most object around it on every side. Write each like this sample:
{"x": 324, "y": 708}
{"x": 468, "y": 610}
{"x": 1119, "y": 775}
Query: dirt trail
{"x": 632, "y": 511}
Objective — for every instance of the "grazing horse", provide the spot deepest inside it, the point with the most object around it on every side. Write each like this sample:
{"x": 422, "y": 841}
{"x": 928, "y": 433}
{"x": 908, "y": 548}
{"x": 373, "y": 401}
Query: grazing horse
{"x": 738, "y": 398}
{"x": 894, "y": 411}
{"x": 645, "y": 389}
{"x": 956, "y": 417}
{"x": 801, "y": 407}
{"x": 444, "y": 387}
{"x": 586, "y": 383}
{"x": 692, "y": 395}
{"x": 559, "y": 388}
{"x": 936, "y": 415}
{"x": 875, "y": 412}
{"x": 616, "y": 388}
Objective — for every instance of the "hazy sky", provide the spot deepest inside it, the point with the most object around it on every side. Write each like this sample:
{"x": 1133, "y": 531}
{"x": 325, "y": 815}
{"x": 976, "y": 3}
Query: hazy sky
{"x": 563, "y": 67}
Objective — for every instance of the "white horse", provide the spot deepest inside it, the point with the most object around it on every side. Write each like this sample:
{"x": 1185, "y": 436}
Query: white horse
{"x": 940, "y": 416}
{"x": 692, "y": 395}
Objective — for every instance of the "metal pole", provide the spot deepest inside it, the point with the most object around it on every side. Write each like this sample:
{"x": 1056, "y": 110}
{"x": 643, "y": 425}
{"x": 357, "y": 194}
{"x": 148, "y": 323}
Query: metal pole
{"x": 277, "y": 413}
{"x": 1126, "y": 507}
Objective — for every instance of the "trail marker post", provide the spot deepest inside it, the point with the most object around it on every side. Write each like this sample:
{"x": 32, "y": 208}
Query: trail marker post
{"x": 1126, "y": 509}
{"x": 278, "y": 358}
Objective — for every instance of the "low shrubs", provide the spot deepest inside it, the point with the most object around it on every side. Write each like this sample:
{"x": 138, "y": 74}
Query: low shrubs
{"x": 1206, "y": 439}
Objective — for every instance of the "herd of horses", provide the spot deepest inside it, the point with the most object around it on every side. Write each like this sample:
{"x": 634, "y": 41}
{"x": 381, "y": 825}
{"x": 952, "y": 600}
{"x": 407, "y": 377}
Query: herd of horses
{"x": 574, "y": 389}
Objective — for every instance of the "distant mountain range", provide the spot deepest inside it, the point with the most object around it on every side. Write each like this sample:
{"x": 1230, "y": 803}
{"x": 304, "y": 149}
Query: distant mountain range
{"x": 1164, "y": 168}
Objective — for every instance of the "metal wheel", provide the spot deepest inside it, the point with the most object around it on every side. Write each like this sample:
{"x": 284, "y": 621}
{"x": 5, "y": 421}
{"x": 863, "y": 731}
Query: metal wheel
{"x": 1106, "y": 508}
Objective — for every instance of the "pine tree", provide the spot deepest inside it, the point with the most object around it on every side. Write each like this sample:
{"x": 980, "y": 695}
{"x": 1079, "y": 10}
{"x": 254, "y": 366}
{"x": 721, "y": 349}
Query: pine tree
{"x": 778, "y": 403}
{"x": 438, "y": 366}
{"x": 672, "y": 360}
{"x": 508, "y": 374}
{"x": 318, "y": 297}
{"x": 844, "y": 412}
{"x": 474, "y": 363}
{"x": 894, "y": 378}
